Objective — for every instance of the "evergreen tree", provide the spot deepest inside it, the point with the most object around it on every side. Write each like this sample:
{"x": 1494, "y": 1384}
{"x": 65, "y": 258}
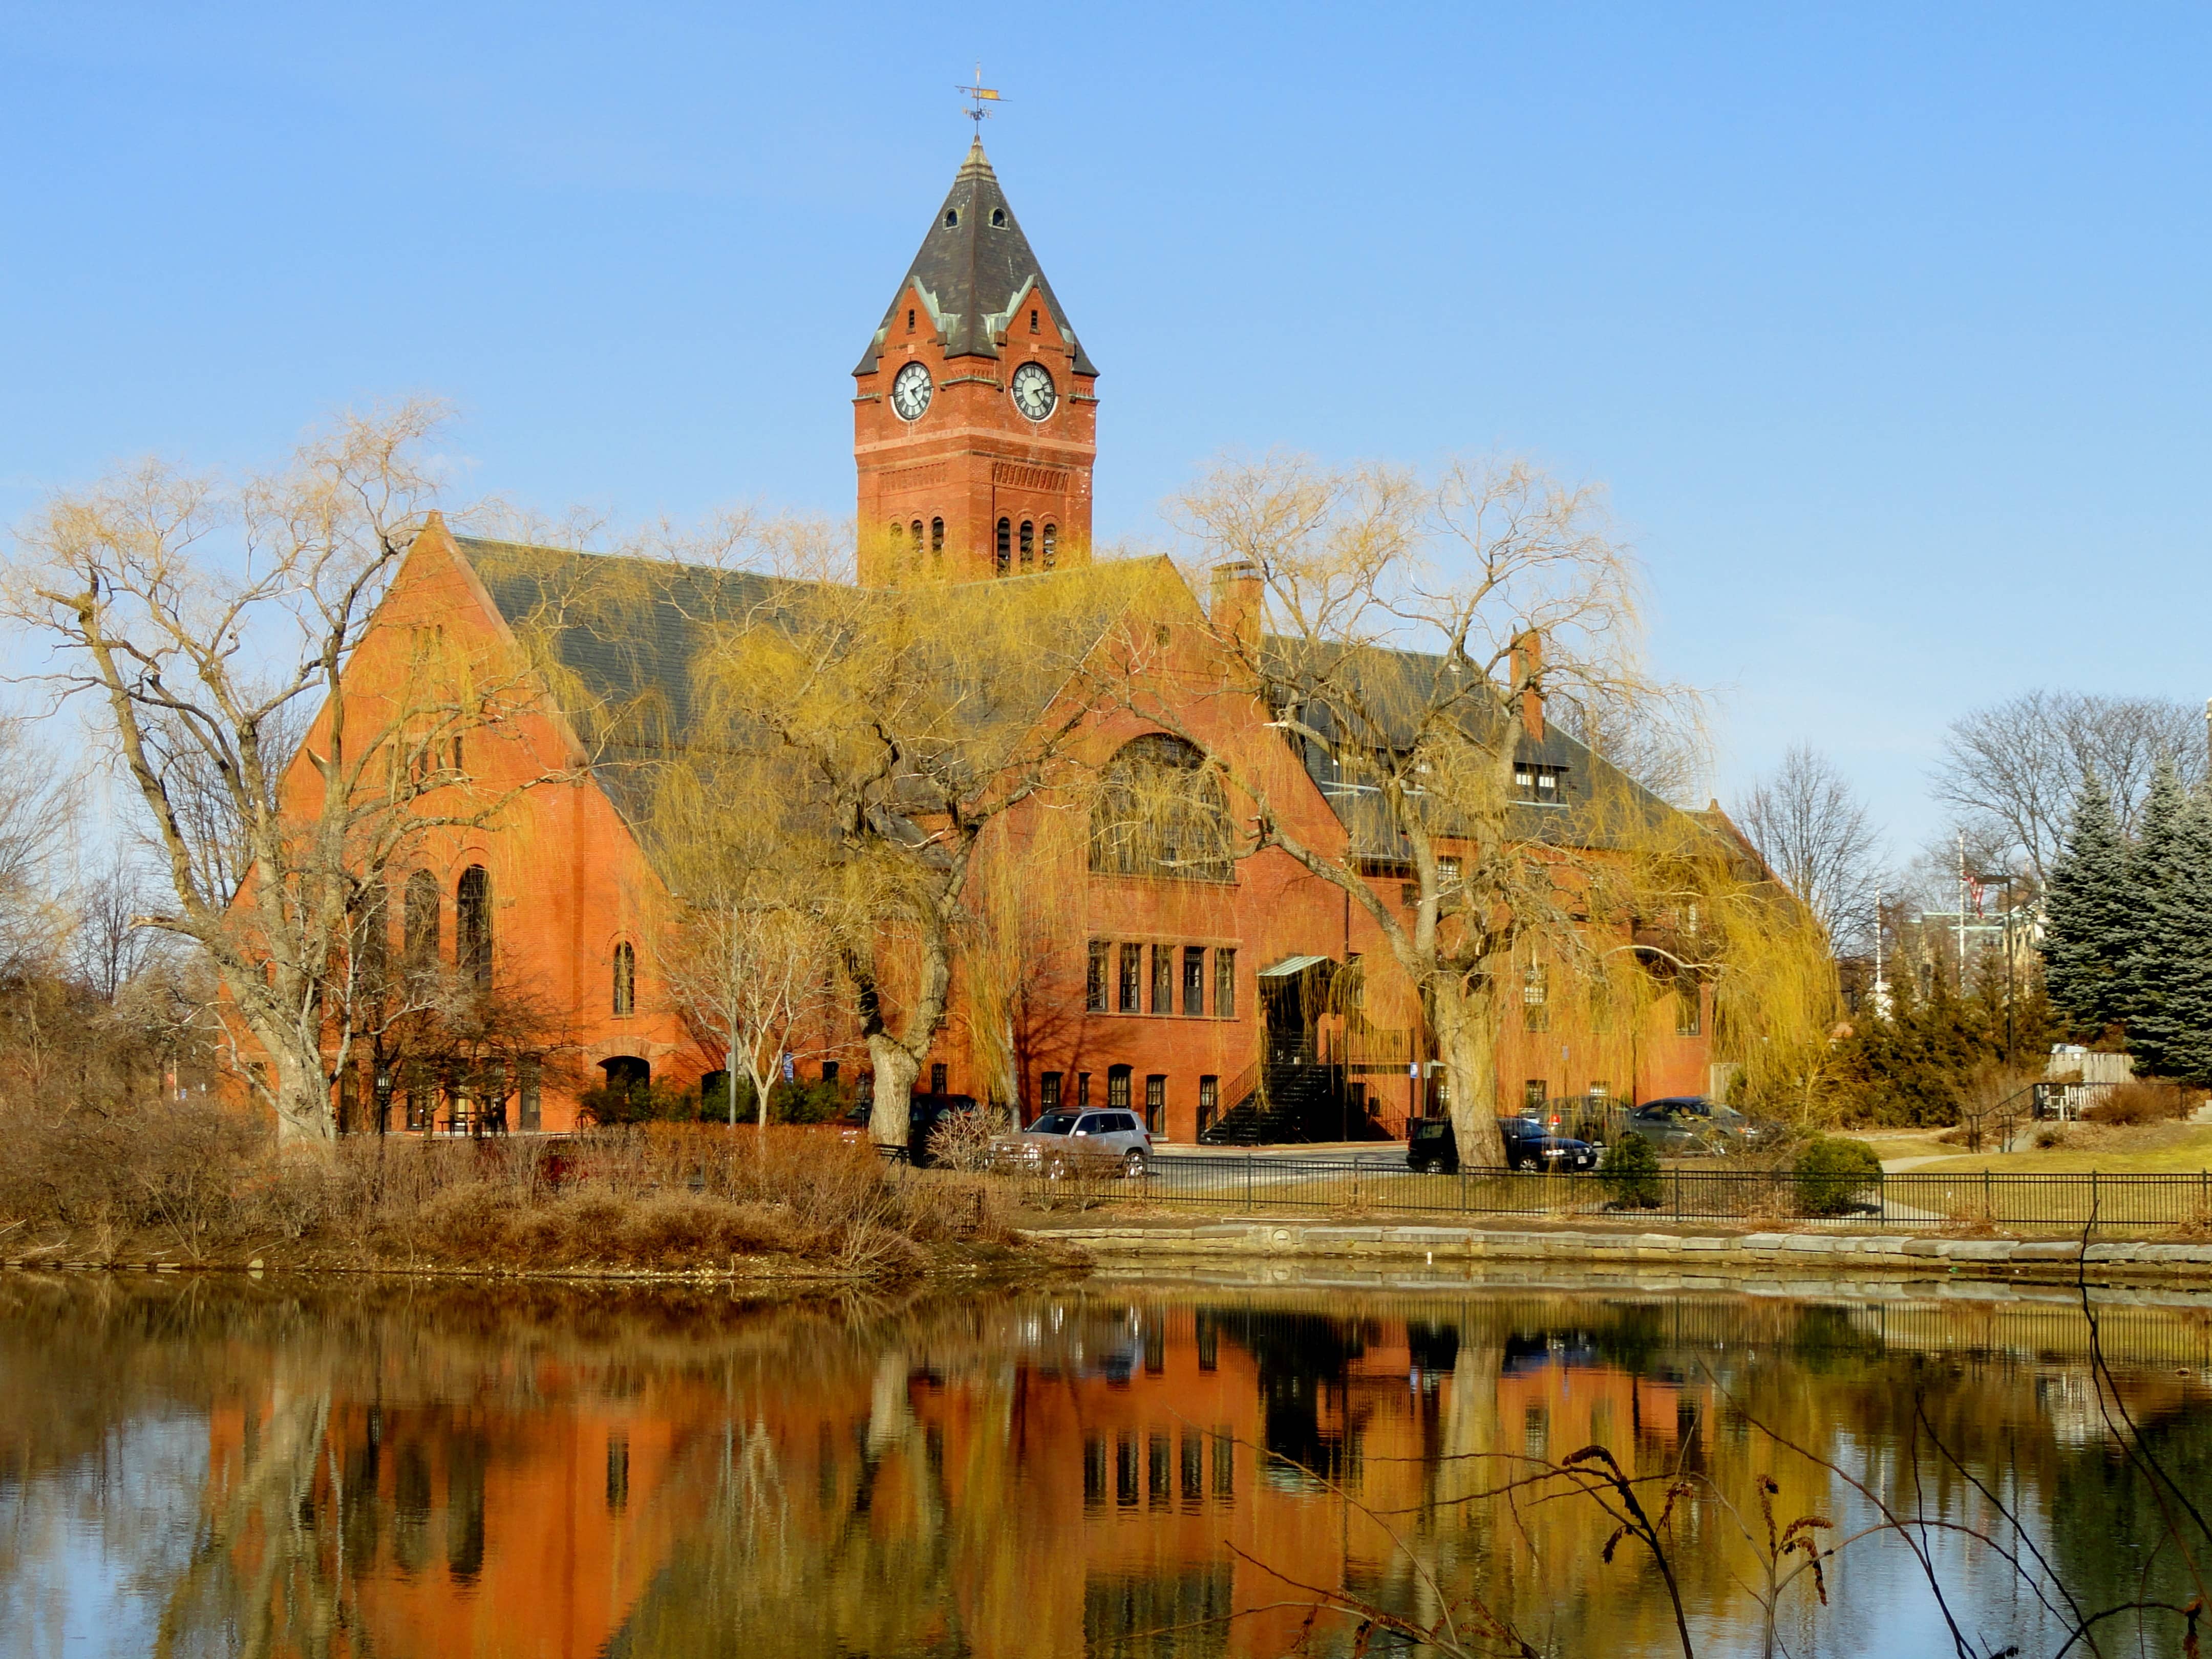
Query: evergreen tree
{"x": 2169, "y": 974}
{"x": 2088, "y": 927}
{"x": 2140, "y": 992}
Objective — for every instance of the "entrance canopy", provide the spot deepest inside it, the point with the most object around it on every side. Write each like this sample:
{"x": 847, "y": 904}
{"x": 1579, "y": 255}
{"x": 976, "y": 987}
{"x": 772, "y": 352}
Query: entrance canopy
{"x": 1291, "y": 967}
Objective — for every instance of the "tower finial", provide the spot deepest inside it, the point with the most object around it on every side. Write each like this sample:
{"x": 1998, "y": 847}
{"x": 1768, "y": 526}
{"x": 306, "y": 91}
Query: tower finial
{"x": 978, "y": 95}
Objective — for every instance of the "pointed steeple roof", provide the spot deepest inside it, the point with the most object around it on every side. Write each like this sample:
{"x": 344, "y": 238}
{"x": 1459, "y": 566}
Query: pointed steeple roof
{"x": 974, "y": 269}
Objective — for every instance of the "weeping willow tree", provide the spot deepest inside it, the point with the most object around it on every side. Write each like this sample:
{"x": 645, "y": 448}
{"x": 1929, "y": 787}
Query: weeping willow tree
{"x": 1400, "y": 637}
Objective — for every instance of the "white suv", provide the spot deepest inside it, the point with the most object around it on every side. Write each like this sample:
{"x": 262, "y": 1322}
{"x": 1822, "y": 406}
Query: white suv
{"x": 1059, "y": 1138}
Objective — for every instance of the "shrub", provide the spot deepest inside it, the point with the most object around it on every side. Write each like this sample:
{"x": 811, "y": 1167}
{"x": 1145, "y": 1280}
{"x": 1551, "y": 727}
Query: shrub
{"x": 2142, "y": 1101}
{"x": 1833, "y": 1173}
{"x": 1629, "y": 1171}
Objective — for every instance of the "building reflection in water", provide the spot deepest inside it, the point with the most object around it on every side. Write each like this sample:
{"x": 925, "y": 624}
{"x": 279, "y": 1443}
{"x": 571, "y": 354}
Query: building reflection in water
{"x": 1055, "y": 1474}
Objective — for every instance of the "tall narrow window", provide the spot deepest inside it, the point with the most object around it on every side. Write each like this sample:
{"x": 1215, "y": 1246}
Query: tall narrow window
{"x": 1193, "y": 979}
{"x": 1535, "y": 998}
{"x": 914, "y": 528}
{"x": 1224, "y": 982}
{"x": 1132, "y": 980}
{"x": 532, "y": 1112}
{"x": 1028, "y": 544}
{"x": 1156, "y": 1103}
{"x": 1534, "y": 1092}
{"x": 473, "y": 927}
{"x": 1051, "y": 545}
{"x": 625, "y": 998}
{"x": 1083, "y": 1092}
{"x": 937, "y": 1078}
{"x": 1163, "y": 979}
{"x": 895, "y": 535}
{"x": 1094, "y": 986}
{"x": 1117, "y": 1088}
{"x": 419, "y": 920}
{"x": 1209, "y": 1101}
{"x": 1049, "y": 1092}
{"x": 1686, "y": 1011}
{"x": 936, "y": 537}
{"x": 1033, "y": 319}
{"x": 1005, "y": 546}
{"x": 909, "y": 320}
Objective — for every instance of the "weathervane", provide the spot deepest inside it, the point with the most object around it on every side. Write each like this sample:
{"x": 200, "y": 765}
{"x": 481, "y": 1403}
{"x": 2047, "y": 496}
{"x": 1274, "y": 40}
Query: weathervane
{"x": 977, "y": 97}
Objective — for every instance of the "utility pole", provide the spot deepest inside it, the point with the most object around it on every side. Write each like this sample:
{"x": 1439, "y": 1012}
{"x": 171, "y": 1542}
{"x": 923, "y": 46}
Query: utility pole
{"x": 1962, "y": 915}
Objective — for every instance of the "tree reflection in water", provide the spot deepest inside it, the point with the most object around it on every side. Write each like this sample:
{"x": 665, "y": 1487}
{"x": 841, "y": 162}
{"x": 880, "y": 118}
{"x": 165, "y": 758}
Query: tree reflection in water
{"x": 1094, "y": 1470}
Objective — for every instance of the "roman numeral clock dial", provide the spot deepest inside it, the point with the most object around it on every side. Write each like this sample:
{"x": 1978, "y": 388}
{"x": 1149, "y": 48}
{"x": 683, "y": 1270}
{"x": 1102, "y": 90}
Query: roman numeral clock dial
{"x": 1034, "y": 391}
{"x": 910, "y": 390}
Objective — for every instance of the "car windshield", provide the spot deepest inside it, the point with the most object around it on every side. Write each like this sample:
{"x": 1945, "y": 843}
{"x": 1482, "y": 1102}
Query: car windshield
{"x": 1053, "y": 1123}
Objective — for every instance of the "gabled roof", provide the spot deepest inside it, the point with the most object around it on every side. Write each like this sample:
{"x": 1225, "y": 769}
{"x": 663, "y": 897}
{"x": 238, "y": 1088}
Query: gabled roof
{"x": 626, "y": 637}
{"x": 1392, "y": 690}
{"x": 975, "y": 268}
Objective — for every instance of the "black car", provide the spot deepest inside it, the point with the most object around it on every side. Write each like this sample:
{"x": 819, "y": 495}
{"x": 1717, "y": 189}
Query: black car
{"x": 1432, "y": 1147}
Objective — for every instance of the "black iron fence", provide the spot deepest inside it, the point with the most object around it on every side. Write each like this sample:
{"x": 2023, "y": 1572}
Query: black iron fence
{"x": 1702, "y": 1192}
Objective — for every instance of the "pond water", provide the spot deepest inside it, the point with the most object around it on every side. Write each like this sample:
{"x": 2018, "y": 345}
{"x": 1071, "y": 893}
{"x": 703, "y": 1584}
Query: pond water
{"x": 1102, "y": 1467}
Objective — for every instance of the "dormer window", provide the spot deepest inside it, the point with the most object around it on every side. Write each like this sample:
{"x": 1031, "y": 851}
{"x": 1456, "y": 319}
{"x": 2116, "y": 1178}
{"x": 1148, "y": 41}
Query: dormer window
{"x": 951, "y": 218}
{"x": 998, "y": 218}
{"x": 1546, "y": 785}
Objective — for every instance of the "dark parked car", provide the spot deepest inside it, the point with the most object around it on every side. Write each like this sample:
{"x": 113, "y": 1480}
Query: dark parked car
{"x": 1690, "y": 1125}
{"x": 1432, "y": 1147}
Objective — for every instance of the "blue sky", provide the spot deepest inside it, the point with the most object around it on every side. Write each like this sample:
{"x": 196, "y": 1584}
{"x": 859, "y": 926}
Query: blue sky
{"x": 1886, "y": 326}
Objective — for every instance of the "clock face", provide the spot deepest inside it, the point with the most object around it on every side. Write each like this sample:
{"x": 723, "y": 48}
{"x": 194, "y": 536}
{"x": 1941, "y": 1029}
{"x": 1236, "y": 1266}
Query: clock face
{"x": 910, "y": 390}
{"x": 1033, "y": 390}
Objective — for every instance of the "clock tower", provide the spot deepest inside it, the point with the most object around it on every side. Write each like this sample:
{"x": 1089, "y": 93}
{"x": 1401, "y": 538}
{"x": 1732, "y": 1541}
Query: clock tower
{"x": 975, "y": 413}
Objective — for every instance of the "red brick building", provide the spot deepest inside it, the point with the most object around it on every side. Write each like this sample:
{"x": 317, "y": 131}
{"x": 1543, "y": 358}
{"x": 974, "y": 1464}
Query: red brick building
{"x": 1173, "y": 990}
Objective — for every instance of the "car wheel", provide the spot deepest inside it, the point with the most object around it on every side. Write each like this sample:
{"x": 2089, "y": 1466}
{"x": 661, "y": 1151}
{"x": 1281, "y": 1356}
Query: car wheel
{"x": 1133, "y": 1165}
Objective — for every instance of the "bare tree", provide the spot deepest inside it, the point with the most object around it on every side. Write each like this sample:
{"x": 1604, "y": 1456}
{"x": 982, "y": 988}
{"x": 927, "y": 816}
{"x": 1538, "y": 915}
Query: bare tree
{"x": 2011, "y": 770}
{"x": 35, "y": 809}
{"x": 201, "y": 624}
{"x": 1412, "y": 635}
{"x": 746, "y": 953}
{"x": 1814, "y": 832}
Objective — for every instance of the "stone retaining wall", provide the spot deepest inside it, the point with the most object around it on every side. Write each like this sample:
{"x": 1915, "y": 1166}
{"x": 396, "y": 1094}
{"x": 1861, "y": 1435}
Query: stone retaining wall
{"x": 1884, "y": 1254}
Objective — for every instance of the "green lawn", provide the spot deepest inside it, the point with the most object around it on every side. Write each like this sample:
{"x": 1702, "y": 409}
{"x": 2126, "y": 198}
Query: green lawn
{"x": 2164, "y": 1149}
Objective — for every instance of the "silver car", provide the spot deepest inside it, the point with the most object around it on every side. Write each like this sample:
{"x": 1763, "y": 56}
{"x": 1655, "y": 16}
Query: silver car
{"x": 1059, "y": 1139}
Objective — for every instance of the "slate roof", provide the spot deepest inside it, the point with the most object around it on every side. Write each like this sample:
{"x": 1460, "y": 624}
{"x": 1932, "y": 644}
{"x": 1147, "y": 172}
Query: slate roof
{"x": 629, "y": 633}
{"x": 1393, "y": 689}
{"x": 975, "y": 268}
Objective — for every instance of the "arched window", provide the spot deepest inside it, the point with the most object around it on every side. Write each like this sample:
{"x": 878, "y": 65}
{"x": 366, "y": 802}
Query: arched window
{"x": 1051, "y": 545}
{"x": 473, "y": 927}
{"x": 1028, "y": 544}
{"x": 625, "y": 997}
{"x": 951, "y": 217}
{"x": 936, "y": 536}
{"x": 1159, "y": 812}
{"x": 998, "y": 218}
{"x": 916, "y": 528}
{"x": 1006, "y": 544}
{"x": 419, "y": 920}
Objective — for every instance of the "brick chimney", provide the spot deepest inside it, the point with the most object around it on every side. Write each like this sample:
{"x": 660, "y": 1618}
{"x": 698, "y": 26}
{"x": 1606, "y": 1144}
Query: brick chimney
{"x": 1236, "y": 603}
{"x": 1526, "y": 666}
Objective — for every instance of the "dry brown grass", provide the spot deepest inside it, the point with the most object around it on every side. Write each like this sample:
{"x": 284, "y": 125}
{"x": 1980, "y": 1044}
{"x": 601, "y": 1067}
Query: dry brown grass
{"x": 202, "y": 1182}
